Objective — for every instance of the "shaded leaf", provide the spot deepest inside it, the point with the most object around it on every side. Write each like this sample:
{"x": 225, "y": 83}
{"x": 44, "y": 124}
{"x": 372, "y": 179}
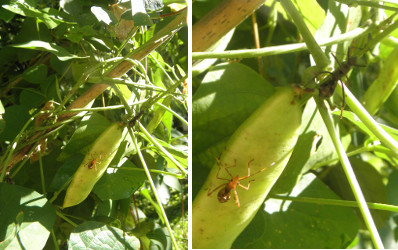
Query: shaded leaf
{"x": 370, "y": 181}
{"x": 35, "y": 74}
{"x": 119, "y": 182}
{"x": 15, "y": 118}
{"x": 301, "y": 225}
{"x": 28, "y": 214}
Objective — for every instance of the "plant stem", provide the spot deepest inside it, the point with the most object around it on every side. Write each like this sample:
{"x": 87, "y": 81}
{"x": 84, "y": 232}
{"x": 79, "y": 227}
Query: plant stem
{"x": 173, "y": 112}
{"x": 279, "y": 49}
{"x": 368, "y": 120}
{"x": 344, "y": 203}
{"x": 148, "y": 174}
{"x": 162, "y": 149}
{"x": 320, "y": 58}
{"x": 372, "y": 4}
{"x": 349, "y": 172}
{"x": 10, "y": 150}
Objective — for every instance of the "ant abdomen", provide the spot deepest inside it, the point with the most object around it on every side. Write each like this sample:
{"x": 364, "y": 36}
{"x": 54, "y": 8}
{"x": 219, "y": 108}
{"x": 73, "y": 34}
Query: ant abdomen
{"x": 224, "y": 195}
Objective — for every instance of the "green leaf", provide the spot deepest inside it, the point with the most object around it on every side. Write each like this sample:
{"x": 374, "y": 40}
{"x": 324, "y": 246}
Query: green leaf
{"x": 352, "y": 117}
{"x": 140, "y": 16}
{"x": 31, "y": 98}
{"x": 15, "y": 118}
{"x": 66, "y": 171}
{"x": 2, "y": 110}
{"x": 35, "y": 74}
{"x": 85, "y": 134}
{"x": 97, "y": 235}
{"x": 119, "y": 182}
{"x": 228, "y": 95}
{"x": 179, "y": 155}
{"x": 371, "y": 183}
{"x": 301, "y": 225}
{"x": 392, "y": 188}
{"x": 172, "y": 182}
{"x": 160, "y": 239}
{"x": 26, "y": 218}
{"x": 72, "y": 7}
{"x": 103, "y": 15}
{"x": 60, "y": 52}
{"x": 141, "y": 19}
{"x": 24, "y": 9}
{"x": 313, "y": 16}
{"x": 147, "y": 195}
{"x": 6, "y": 15}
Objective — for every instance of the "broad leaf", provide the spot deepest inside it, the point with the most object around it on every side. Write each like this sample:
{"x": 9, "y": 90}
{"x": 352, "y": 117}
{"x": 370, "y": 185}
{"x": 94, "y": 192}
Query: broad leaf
{"x": 60, "y": 52}
{"x": 26, "y": 218}
{"x": 97, "y": 235}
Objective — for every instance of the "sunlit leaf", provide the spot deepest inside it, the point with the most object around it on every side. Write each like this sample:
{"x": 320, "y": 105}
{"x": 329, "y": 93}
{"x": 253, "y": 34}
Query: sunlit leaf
{"x": 59, "y": 51}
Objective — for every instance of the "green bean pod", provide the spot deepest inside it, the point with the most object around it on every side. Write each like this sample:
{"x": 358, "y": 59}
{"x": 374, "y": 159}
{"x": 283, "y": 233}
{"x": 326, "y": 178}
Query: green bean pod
{"x": 93, "y": 166}
{"x": 266, "y": 140}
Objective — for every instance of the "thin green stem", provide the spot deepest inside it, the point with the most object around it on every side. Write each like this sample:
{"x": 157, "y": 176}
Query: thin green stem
{"x": 148, "y": 174}
{"x": 102, "y": 79}
{"x": 349, "y": 172}
{"x": 382, "y": 35}
{"x": 97, "y": 109}
{"x": 173, "y": 112}
{"x": 368, "y": 3}
{"x": 368, "y": 120}
{"x": 80, "y": 82}
{"x": 179, "y": 176}
{"x": 65, "y": 218}
{"x": 354, "y": 152}
{"x": 162, "y": 149}
{"x": 280, "y": 49}
{"x": 60, "y": 190}
{"x": 10, "y": 150}
{"x": 43, "y": 182}
{"x": 161, "y": 67}
{"x": 321, "y": 60}
{"x": 54, "y": 238}
{"x": 344, "y": 203}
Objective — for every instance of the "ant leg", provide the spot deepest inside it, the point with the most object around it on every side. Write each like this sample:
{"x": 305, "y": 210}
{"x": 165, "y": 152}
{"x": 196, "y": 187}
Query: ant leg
{"x": 219, "y": 163}
{"x": 226, "y": 169}
{"x": 261, "y": 170}
{"x": 232, "y": 165}
{"x": 218, "y": 187}
{"x": 248, "y": 167}
{"x": 218, "y": 172}
{"x": 236, "y": 198}
{"x": 248, "y": 185}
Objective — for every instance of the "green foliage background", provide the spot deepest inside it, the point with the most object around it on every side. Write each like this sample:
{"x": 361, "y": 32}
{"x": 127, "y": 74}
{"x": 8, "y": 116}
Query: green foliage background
{"x": 56, "y": 51}
{"x": 228, "y": 92}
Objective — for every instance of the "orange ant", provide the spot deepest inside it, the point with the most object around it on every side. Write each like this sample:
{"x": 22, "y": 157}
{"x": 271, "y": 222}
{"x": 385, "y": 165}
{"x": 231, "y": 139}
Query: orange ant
{"x": 93, "y": 163}
{"x": 225, "y": 193}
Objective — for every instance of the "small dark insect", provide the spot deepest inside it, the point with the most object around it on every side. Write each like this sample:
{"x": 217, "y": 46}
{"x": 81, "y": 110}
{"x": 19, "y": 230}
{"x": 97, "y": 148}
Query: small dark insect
{"x": 327, "y": 88}
{"x": 225, "y": 193}
{"x": 136, "y": 118}
{"x": 93, "y": 163}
